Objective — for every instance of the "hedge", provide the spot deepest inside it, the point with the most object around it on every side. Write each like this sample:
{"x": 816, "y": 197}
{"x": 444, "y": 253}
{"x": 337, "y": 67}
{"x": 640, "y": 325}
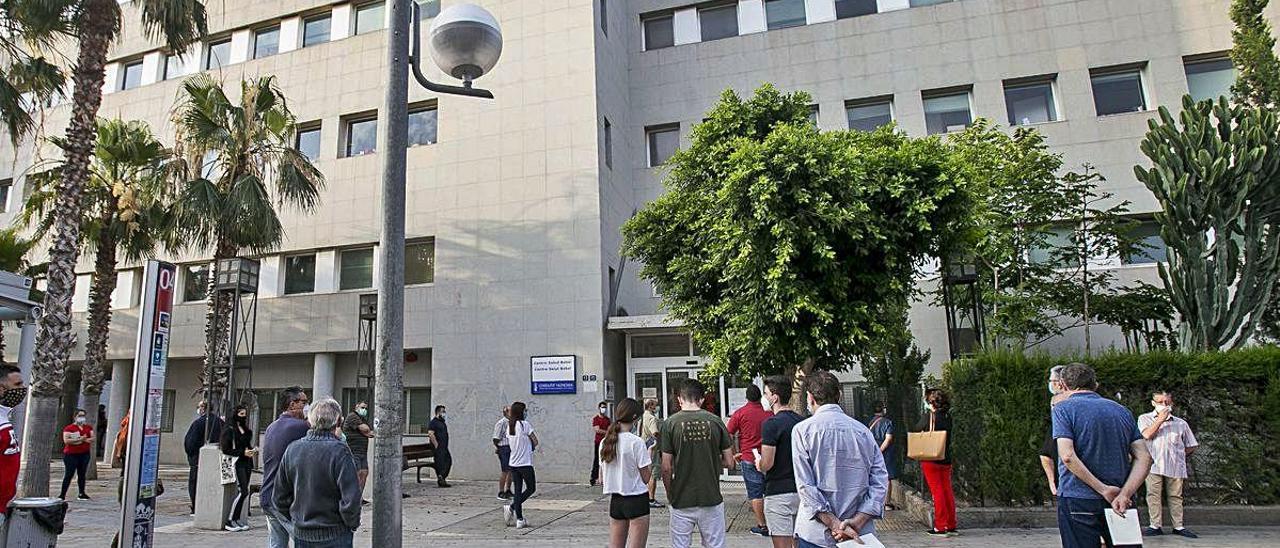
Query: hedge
{"x": 1000, "y": 408}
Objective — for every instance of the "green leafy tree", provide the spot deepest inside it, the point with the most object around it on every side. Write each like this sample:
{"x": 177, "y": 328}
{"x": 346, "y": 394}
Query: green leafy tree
{"x": 1216, "y": 176}
{"x": 237, "y": 165}
{"x": 13, "y": 258}
{"x": 892, "y": 364}
{"x": 28, "y": 28}
{"x": 1142, "y": 312}
{"x": 778, "y": 244}
{"x": 1253, "y": 54}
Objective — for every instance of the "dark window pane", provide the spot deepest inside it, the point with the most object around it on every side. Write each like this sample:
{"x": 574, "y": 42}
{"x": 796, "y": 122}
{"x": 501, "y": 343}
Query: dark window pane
{"x": 218, "y": 56}
{"x": 608, "y": 143}
{"x": 309, "y": 142}
{"x": 362, "y": 137}
{"x": 315, "y": 31}
{"x": 1210, "y": 79}
{"x": 422, "y": 127}
{"x": 1030, "y": 104}
{"x": 195, "y": 284}
{"x": 266, "y": 42}
{"x": 356, "y": 269}
{"x": 604, "y": 17}
{"x": 299, "y": 274}
{"x": 718, "y": 22}
{"x": 662, "y": 144}
{"x": 370, "y": 17}
{"x": 854, "y": 8}
{"x": 5, "y": 188}
{"x": 1150, "y": 248}
{"x": 173, "y": 66}
{"x": 868, "y": 117}
{"x": 419, "y": 263}
{"x": 1118, "y": 92}
{"x": 947, "y": 113}
{"x": 659, "y": 346}
{"x": 781, "y": 14}
{"x": 418, "y": 408}
{"x": 132, "y": 76}
{"x": 659, "y": 32}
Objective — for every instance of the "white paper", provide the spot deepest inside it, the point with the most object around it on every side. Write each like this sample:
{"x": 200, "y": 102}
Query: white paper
{"x": 590, "y": 386}
{"x": 1124, "y": 529}
{"x": 868, "y": 541}
{"x": 755, "y": 452}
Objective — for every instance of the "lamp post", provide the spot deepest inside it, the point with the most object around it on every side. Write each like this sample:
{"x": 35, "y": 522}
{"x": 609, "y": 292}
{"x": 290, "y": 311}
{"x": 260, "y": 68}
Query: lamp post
{"x": 963, "y": 301}
{"x": 466, "y": 43}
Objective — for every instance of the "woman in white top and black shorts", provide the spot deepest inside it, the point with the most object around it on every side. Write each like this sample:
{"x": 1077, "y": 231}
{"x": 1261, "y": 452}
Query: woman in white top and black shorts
{"x": 522, "y": 440}
{"x": 624, "y": 465}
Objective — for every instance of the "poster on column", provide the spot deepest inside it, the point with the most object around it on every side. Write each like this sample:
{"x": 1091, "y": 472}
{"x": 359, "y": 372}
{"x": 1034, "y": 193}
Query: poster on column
{"x": 142, "y": 452}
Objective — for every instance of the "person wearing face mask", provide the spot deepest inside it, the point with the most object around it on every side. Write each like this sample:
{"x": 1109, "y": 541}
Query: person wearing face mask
{"x": 745, "y": 425}
{"x": 289, "y": 427}
{"x": 599, "y": 425}
{"x": 780, "y": 499}
{"x": 12, "y": 392}
{"x": 195, "y": 439}
{"x": 937, "y": 474}
{"x": 357, "y": 431}
{"x": 237, "y": 442}
{"x": 1049, "y": 449}
{"x": 1170, "y": 441}
{"x": 77, "y": 441}
{"x": 438, "y": 431}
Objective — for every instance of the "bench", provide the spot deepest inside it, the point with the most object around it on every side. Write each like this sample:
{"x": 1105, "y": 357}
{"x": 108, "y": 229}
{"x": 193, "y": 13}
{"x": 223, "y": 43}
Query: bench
{"x": 418, "y": 456}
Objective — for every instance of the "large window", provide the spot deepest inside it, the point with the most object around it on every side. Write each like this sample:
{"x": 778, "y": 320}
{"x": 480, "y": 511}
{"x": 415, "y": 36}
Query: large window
{"x": 719, "y": 21}
{"x": 316, "y": 30}
{"x": 195, "y": 282}
{"x": 1118, "y": 91}
{"x": 870, "y": 114}
{"x": 173, "y": 66}
{"x": 6, "y": 188}
{"x": 659, "y": 32}
{"x": 300, "y": 274}
{"x": 361, "y": 135}
{"x": 1210, "y": 78}
{"x": 1057, "y": 249}
{"x": 1030, "y": 102}
{"x": 131, "y": 75}
{"x": 947, "y": 112}
{"x": 1150, "y": 245}
{"x": 309, "y": 140}
{"x": 420, "y": 262}
{"x": 662, "y": 142}
{"x": 266, "y": 42}
{"x": 660, "y": 346}
{"x": 355, "y": 269}
{"x": 854, "y": 8}
{"x": 370, "y": 17}
{"x": 780, "y": 14}
{"x": 423, "y": 122}
{"x": 417, "y": 406}
{"x": 219, "y": 54}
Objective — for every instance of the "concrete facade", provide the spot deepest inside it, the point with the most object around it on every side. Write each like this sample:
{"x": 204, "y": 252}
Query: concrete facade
{"x": 523, "y": 196}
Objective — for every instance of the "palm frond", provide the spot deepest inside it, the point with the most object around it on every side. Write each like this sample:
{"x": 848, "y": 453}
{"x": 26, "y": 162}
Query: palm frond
{"x": 178, "y": 22}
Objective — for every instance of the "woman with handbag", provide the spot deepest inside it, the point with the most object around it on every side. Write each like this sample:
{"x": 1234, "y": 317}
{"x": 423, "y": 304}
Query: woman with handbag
{"x": 937, "y": 468}
{"x": 237, "y": 443}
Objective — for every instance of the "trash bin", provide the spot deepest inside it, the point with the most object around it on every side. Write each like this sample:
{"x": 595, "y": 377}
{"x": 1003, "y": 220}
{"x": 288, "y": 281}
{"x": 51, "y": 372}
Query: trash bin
{"x": 34, "y": 522}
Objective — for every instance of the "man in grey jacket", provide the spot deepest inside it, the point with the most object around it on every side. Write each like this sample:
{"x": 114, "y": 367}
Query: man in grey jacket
{"x": 316, "y": 488}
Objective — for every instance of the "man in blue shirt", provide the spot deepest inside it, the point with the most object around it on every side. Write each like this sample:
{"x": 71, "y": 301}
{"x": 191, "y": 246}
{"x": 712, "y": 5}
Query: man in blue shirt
{"x": 1102, "y": 459}
{"x": 289, "y": 427}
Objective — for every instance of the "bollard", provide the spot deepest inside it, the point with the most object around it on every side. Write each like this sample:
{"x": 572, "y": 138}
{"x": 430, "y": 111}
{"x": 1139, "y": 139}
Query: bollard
{"x": 34, "y": 522}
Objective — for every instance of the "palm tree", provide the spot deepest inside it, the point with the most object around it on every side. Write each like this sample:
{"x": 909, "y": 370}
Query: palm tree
{"x": 238, "y": 164}
{"x": 97, "y": 23}
{"x": 28, "y": 79}
{"x": 124, "y": 204}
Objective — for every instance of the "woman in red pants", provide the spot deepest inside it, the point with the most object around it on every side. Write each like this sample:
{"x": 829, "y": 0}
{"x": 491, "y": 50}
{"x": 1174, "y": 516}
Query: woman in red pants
{"x": 937, "y": 474}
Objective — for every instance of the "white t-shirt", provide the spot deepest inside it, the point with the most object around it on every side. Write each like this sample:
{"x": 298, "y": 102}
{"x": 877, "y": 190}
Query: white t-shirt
{"x": 500, "y": 432}
{"x": 521, "y": 445}
{"x": 622, "y": 476}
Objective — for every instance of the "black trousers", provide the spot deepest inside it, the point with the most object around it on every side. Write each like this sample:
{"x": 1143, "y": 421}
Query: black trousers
{"x": 525, "y": 482}
{"x": 244, "y": 467}
{"x": 443, "y": 464}
{"x": 192, "y": 474}
{"x": 76, "y": 465}
{"x": 595, "y": 462}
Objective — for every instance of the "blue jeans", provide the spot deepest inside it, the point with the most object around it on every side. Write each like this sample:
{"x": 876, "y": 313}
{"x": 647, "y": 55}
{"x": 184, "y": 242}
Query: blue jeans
{"x": 1082, "y": 522}
{"x": 277, "y": 535}
{"x": 343, "y": 541}
{"x": 754, "y": 480}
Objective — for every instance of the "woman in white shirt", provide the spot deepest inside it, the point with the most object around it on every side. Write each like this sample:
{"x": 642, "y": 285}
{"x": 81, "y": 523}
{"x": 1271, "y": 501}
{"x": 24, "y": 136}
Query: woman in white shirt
{"x": 522, "y": 440}
{"x": 624, "y": 464}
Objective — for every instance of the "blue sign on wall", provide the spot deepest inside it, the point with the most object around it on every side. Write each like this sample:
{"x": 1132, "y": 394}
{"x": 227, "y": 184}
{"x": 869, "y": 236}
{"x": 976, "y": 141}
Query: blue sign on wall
{"x": 553, "y": 375}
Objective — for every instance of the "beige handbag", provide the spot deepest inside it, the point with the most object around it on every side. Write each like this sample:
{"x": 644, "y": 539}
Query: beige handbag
{"x": 927, "y": 446}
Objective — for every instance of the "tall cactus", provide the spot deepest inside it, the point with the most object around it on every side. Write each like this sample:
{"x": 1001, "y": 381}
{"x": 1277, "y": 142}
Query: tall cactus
{"x": 1216, "y": 174}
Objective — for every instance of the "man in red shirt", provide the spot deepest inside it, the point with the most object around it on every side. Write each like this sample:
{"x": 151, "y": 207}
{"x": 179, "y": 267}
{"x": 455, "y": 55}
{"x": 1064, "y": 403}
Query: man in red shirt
{"x": 12, "y": 392}
{"x": 600, "y": 424}
{"x": 746, "y": 423}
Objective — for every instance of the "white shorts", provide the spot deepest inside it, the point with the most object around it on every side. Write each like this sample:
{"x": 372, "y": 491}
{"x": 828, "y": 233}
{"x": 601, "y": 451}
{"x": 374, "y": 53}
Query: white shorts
{"x": 780, "y": 514}
{"x": 709, "y": 520}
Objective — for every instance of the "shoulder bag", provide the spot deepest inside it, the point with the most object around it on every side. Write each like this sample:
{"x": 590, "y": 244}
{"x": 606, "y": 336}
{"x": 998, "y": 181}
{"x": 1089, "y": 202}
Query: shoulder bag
{"x": 927, "y": 446}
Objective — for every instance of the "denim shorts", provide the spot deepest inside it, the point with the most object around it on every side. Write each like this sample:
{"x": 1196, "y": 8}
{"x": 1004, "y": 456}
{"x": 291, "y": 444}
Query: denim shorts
{"x": 754, "y": 479}
{"x": 504, "y": 457}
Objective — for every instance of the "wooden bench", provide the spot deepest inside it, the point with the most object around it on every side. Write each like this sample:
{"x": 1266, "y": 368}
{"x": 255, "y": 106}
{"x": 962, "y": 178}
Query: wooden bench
{"x": 418, "y": 456}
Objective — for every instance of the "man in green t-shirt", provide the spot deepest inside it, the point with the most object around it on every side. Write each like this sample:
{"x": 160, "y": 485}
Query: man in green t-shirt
{"x": 695, "y": 448}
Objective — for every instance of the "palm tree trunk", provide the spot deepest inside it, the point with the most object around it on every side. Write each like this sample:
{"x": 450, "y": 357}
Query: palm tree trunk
{"x": 217, "y": 324}
{"x": 93, "y": 371}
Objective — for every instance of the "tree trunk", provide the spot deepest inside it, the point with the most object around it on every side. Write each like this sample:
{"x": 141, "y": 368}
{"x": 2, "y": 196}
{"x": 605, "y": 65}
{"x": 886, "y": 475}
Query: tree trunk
{"x": 217, "y": 323}
{"x": 799, "y": 392}
{"x": 93, "y": 371}
{"x": 98, "y": 21}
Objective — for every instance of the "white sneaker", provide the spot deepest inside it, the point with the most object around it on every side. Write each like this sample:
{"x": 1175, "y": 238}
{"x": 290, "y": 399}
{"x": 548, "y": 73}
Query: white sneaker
{"x": 231, "y": 526}
{"x": 521, "y": 524}
{"x": 244, "y": 525}
{"x": 508, "y": 517}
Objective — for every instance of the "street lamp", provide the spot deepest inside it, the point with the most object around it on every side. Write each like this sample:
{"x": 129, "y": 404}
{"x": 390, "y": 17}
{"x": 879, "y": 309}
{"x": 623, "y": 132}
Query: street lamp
{"x": 466, "y": 43}
{"x": 962, "y": 299}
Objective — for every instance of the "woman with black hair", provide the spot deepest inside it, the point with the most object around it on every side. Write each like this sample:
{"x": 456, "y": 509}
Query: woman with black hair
{"x": 937, "y": 474}
{"x": 624, "y": 462}
{"x": 237, "y": 442}
{"x": 523, "y": 441}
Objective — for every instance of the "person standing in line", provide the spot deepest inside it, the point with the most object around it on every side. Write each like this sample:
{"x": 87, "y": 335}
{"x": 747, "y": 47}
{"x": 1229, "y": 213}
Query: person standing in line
{"x": 745, "y": 424}
{"x": 1102, "y": 456}
{"x": 780, "y": 499}
{"x": 502, "y": 448}
{"x": 194, "y": 440}
{"x": 77, "y": 443}
{"x": 937, "y": 474}
{"x": 840, "y": 473}
{"x": 695, "y": 447}
{"x": 438, "y": 431}
{"x": 12, "y": 392}
{"x": 1049, "y": 449}
{"x": 101, "y": 446}
{"x": 523, "y": 442}
{"x": 289, "y": 427}
{"x": 650, "y": 425}
{"x": 237, "y": 442}
{"x": 599, "y": 425}
{"x": 881, "y": 426}
{"x": 356, "y": 430}
{"x": 1170, "y": 441}
{"x": 625, "y": 465}
{"x": 316, "y": 487}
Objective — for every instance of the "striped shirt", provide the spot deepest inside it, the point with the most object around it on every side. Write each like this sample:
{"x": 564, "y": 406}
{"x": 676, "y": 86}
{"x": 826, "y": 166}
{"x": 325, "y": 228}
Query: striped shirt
{"x": 1169, "y": 446}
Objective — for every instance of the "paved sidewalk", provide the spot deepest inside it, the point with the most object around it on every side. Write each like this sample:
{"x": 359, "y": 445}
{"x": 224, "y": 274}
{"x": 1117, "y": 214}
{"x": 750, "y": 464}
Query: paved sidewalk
{"x": 469, "y": 515}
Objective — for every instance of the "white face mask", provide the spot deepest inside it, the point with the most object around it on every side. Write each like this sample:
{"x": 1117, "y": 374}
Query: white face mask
{"x": 1161, "y": 408}
{"x": 80, "y": 420}
{"x": 306, "y": 409}
{"x": 1053, "y": 388}
{"x": 604, "y": 410}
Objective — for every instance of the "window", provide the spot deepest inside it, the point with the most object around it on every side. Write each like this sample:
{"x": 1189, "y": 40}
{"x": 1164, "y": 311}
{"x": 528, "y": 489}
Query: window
{"x": 423, "y": 125}
{"x": 131, "y": 75}
{"x": 266, "y": 42}
{"x": 355, "y": 269}
{"x": 869, "y": 114}
{"x": 173, "y": 66}
{"x": 219, "y": 54}
{"x": 604, "y": 17}
{"x": 299, "y": 274}
{"x": 780, "y": 14}
{"x": 608, "y": 144}
{"x": 1116, "y": 92}
{"x": 1150, "y": 248}
{"x": 430, "y": 9}
{"x": 420, "y": 262}
{"x": 1210, "y": 78}
{"x": 947, "y": 112}
{"x": 371, "y": 17}
{"x": 1057, "y": 249}
{"x": 663, "y": 141}
{"x": 195, "y": 282}
{"x": 718, "y": 21}
{"x": 660, "y": 346}
{"x": 919, "y": 3}
{"x": 854, "y": 8}
{"x": 417, "y": 409}
{"x": 659, "y": 32}
{"x": 6, "y": 188}
{"x": 168, "y": 401}
{"x": 361, "y": 136}
{"x": 309, "y": 141}
{"x": 813, "y": 115}
{"x": 315, "y": 30}
{"x": 1030, "y": 102}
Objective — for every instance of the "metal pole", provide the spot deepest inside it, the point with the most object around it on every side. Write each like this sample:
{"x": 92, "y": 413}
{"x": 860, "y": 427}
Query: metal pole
{"x": 388, "y": 412}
